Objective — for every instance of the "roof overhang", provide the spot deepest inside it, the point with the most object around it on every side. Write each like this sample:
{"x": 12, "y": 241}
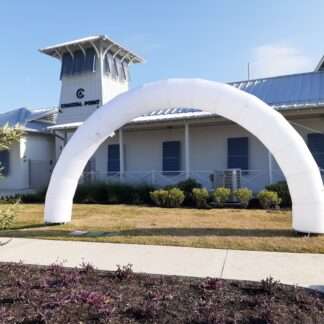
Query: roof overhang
{"x": 296, "y": 111}
{"x": 97, "y": 42}
{"x": 319, "y": 65}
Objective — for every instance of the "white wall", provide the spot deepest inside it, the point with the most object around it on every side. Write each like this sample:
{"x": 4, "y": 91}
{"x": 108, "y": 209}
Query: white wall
{"x": 208, "y": 150}
{"x": 36, "y": 147}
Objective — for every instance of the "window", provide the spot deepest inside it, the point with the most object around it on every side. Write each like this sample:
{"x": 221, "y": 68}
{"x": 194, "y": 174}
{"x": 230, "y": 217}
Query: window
{"x": 238, "y": 153}
{"x": 125, "y": 70}
{"x": 4, "y": 162}
{"x": 171, "y": 157}
{"x": 113, "y": 158}
{"x": 316, "y": 146}
{"x": 90, "y": 60}
{"x": 67, "y": 64}
{"x": 115, "y": 68}
{"x": 78, "y": 62}
{"x": 112, "y": 67}
{"x": 107, "y": 68}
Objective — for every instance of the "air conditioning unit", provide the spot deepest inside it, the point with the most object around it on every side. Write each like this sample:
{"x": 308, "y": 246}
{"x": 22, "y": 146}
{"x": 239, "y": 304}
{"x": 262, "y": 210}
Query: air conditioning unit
{"x": 232, "y": 179}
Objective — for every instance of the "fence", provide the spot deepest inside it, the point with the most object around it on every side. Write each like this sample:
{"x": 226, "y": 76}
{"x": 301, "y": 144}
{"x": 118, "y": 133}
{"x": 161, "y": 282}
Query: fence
{"x": 253, "y": 179}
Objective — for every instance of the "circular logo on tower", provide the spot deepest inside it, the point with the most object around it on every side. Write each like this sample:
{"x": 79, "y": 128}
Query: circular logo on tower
{"x": 80, "y": 93}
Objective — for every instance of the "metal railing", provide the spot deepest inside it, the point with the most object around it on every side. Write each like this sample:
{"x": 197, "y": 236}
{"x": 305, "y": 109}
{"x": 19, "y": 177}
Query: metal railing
{"x": 253, "y": 179}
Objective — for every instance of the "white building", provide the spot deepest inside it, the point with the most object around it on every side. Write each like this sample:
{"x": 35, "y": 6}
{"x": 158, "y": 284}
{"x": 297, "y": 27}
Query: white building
{"x": 164, "y": 147}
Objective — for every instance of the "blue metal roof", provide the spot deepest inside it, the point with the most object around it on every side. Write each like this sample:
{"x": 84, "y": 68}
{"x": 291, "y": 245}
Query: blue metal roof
{"x": 288, "y": 91}
{"x": 28, "y": 119}
{"x": 304, "y": 90}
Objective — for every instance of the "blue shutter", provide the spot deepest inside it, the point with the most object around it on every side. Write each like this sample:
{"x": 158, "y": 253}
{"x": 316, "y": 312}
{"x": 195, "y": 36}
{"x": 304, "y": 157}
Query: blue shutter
{"x": 316, "y": 146}
{"x": 90, "y": 60}
{"x": 238, "y": 153}
{"x": 171, "y": 157}
{"x": 113, "y": 158}
{"x": 67, "y": 64}
{"x": 4, "y": 162}
{"x": 78, "y": 62}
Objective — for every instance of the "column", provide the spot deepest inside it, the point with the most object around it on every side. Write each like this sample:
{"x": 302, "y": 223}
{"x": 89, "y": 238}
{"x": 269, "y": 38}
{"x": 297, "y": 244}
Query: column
{"x": 187, "y": 151}
{"x": 121, "y": 154}
{"x": 270, "y": 167}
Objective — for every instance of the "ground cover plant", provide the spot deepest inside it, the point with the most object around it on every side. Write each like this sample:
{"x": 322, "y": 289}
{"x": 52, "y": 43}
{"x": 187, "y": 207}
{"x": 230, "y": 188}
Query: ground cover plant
{"x": 46, "y": 295}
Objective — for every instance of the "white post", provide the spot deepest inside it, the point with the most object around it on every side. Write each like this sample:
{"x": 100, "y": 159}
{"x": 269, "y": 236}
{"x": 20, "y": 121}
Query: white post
{"x": 101, "y": 67}
{"x": 121, "y": 154}
{"x": 187, "y": 151}
{"x": 270, "y": 168}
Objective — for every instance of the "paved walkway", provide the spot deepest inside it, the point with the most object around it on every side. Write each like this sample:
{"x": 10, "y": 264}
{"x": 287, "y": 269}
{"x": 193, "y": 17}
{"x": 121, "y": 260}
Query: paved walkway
{"x": 291, "y": 268}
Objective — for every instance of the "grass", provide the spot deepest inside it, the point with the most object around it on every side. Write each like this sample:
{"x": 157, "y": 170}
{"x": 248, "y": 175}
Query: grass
{"x": 216, "y": 228}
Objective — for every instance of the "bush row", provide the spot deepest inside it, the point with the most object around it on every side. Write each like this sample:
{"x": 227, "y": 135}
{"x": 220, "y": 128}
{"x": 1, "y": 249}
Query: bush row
{"x": 187, "y": 193}
{"x": 174, "y": 197}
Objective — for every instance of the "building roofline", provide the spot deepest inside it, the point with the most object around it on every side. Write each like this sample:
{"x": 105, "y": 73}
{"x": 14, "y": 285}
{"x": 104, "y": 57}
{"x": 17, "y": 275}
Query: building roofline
{"x": 320, "y": 63}
{"x": 277, "y": 77}
{"x": 58, "y": 49}
{"x": 195, "y": 115}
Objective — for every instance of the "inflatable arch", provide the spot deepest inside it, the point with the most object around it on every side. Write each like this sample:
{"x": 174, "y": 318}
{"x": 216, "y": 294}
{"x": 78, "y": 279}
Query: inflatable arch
{"x": 269, "y": 126}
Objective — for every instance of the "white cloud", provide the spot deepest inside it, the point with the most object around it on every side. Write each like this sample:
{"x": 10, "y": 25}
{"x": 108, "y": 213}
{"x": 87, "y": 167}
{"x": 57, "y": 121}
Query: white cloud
{"x": 276, "y": 59}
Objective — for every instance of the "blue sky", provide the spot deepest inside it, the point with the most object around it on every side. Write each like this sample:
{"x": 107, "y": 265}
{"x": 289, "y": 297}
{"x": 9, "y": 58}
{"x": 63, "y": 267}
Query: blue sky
{"x": 212, "y": 39}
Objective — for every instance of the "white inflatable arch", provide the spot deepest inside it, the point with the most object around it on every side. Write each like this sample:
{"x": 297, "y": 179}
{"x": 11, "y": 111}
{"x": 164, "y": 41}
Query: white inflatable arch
{"x": 269, "y": 126}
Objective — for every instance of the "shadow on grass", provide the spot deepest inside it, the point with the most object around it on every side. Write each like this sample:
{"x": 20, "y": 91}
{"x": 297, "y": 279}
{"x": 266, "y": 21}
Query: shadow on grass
{"x": 26, "y": 227}
{"x": 175, "y": 232}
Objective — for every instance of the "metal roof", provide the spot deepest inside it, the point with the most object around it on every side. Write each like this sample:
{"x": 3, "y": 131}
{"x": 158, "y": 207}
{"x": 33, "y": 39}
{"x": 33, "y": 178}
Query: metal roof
{"x": 59, "y": 49}
{"x": 295, "y": 91}
{"x": 30, "y": 120}
{"x": 287, "y": 91}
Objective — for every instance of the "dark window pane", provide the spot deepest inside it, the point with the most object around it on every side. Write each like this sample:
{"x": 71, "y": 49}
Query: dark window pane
{"x": 238, "y": 153}
{"x": 125, "y": 70}
{"x": 67, "y": 64}
{"x": 171, "y": 156}
{"x": 78, "y": 62}
{"x": 4, "y": 162}
{"x": 90, "y": 60}
{"x": 113, "y": 158}
{"x": 107, "y": 68}
{"x": 316, "y": 146}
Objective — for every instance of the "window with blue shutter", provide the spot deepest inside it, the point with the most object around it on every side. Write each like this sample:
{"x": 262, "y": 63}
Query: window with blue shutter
{"x": 67, "y": 65}
{"x": 78, "y": 62}
{"x": 4, "y": 162}
{"x": 113, "y": 158}
{"x": 238, "y": 153}
{"x": 316, "y": 146}
{"x": 171, "y": 157}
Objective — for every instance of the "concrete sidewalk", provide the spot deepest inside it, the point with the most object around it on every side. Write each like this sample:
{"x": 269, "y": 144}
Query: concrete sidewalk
{"x": 291, "y": 268}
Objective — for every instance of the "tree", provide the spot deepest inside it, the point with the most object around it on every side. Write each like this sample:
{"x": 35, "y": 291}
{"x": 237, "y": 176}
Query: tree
{"x": 9, "y": 135}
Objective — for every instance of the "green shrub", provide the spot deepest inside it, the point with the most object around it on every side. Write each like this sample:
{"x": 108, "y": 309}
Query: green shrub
{"x": 268, "y": 199}
{"x": 243, "y": 195}
{"x": 221, "y": 195}
{"x": 160, "y": 197}
{"x": 281, "y": 188}
{"x": 171, "y": 198}
{"x": 200, "y": 196}
{"x": 113, "y": 193}
{"x": 8, "y": 215}
{"x": 187, "y": 186}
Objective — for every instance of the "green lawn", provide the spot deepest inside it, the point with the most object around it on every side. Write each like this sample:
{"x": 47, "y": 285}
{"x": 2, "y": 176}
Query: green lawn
{"x": 215, "y": 228}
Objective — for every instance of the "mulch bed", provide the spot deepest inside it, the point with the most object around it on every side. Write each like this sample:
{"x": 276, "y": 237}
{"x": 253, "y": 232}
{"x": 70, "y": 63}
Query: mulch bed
{"x": 35, "y": 295}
